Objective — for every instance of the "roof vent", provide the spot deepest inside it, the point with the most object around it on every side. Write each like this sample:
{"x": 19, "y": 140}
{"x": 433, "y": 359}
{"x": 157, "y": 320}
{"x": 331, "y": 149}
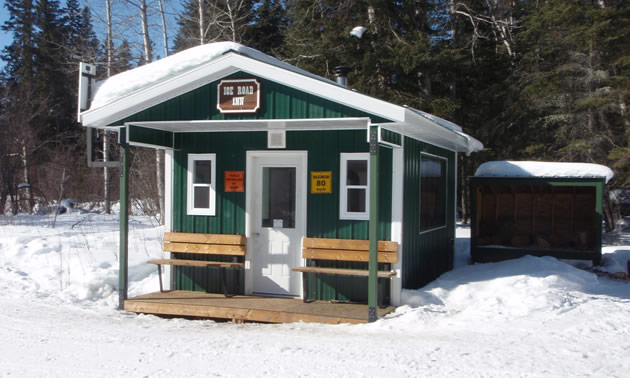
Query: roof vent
{"x": 276, "y": 139}
{"x": 342, "y": 75}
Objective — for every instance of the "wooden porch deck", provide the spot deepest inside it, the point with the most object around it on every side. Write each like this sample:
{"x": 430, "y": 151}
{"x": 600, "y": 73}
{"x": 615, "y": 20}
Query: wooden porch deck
{"x": 249, "y": 308}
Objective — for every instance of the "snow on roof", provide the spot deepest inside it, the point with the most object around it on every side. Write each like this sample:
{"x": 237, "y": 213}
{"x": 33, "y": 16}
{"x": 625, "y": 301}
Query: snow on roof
{"x": 141, "y": 77}
{"x": 542, "y": 169}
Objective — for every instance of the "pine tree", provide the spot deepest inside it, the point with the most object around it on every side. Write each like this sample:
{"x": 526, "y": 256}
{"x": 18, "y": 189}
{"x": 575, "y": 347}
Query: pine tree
{"x": 20, "y": 53}
{"x": 266, "y": 31}
{"x": 570, "y": 79}
{"x": 52, "y": 65}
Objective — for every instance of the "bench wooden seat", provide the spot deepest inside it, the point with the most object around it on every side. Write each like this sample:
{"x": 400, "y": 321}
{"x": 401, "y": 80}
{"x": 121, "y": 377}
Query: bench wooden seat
{"x": 208, "y": 245}
{"x": 314, "y": 249}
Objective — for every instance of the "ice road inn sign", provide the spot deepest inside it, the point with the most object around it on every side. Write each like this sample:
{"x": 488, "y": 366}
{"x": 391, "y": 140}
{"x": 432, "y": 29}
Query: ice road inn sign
{"x": 238, "y": 96}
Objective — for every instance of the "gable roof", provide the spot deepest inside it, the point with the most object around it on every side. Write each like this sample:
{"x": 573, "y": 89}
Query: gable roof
{"x": 138, "y": 89}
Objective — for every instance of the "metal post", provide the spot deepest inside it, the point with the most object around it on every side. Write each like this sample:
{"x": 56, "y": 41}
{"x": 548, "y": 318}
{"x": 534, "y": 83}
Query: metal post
{"x": 373, "y": 228}
{"x": 123, "y": 272}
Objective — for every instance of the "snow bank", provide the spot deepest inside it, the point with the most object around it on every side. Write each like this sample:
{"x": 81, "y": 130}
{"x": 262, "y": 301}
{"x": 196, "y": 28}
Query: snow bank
{"x": 526, "y": 317}
{"x": 77, "y": 261}
{"x": 542, "y": 169}
{"x": 127, "y": 82}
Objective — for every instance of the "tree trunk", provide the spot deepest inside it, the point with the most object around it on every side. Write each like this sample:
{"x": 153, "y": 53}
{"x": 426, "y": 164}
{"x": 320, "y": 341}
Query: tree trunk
{"x": 164, "y": 29}
{"x": 148, "y": 51}
{"x": 28, "y": 192}
{"x": 201, "y": 25}
{"x": 108, "y": 46}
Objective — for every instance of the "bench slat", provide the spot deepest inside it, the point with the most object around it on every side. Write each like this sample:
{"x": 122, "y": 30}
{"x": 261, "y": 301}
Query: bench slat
{"x": 348, "y": 255}
{"x": 349, "y": 244}
{"x": 209, "y": 249}
{"x": 180, "y": 262}
{"x": 346, "y": 272}
{"x": 188, "y": 237}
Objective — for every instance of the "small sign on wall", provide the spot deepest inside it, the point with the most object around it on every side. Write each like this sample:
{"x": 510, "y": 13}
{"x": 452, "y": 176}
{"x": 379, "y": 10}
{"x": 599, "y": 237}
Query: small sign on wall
{"x": 234, "y": 181}
{"x": 238, "y": 96}
{"x": 321, "y": 182}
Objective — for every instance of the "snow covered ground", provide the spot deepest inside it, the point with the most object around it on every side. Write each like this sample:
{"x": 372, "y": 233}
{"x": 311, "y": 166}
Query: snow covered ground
{"x": 526, "y": 317}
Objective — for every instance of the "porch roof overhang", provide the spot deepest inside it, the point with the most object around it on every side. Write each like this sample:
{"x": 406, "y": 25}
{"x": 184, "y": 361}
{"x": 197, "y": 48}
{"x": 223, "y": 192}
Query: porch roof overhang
{"x": 404, "y": 120}
{"x": 415, "y": 126}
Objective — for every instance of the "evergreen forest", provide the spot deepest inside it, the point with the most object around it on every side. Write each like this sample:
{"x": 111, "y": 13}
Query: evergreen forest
{"x": 531, "y": 79}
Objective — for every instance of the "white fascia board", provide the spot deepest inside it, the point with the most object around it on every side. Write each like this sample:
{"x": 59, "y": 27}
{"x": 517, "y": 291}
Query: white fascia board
{"x": 156, "y": 94}
{"x": 224, "y": 66}
{"x": 426, "y": 130}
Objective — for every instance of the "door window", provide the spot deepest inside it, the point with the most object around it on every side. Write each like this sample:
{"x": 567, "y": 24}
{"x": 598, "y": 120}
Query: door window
{"x": 278, "y": 197}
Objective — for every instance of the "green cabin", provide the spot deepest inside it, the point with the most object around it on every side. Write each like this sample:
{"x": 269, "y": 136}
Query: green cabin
{"x": 259, "y": 148}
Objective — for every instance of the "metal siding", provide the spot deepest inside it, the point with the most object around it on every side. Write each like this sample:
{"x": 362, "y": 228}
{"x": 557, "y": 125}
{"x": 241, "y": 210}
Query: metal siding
{"x": 277, "y": 102}
{"x": 426, "y": 255}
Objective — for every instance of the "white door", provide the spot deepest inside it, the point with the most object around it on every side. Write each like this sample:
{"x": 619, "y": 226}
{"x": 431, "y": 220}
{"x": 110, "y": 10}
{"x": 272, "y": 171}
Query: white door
{"x": 277, "y": 197}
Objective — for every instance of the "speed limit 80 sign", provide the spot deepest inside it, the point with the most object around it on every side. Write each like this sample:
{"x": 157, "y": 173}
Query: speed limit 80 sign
{"x": 321, "y": 182}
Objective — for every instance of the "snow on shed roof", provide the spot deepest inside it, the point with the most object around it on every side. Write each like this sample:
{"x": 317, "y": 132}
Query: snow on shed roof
{"x": 542, "y": 169}
{"x": 129, "y": 81}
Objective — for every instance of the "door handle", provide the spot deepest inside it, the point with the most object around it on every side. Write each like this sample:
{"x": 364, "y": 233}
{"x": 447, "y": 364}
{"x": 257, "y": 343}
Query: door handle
{"x": 256, "y": 234}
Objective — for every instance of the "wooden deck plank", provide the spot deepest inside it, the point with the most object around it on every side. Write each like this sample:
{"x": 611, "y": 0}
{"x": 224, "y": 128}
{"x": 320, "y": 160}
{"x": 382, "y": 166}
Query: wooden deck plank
{"x": 248, "y": 308}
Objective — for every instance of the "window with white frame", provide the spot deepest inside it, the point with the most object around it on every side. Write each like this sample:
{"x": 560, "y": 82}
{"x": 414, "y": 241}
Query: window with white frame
{"x": 201, "y": 181}
{"x": 354, "y": 190}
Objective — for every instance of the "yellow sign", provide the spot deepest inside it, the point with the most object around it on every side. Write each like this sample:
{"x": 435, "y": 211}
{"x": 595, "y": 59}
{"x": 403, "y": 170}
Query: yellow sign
{"x": 321, "y": 182}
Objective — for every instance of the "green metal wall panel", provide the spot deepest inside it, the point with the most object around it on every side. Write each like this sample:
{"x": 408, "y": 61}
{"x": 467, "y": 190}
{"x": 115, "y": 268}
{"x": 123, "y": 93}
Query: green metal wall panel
{"x": 425, "y": 255}
{"x": 324, "y": 149}
{"x": 277, "y": 102}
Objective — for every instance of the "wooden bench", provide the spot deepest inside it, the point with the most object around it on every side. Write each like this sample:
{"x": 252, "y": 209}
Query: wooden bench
{"x": 315, "y": 249}
{"x": 207, "y": 245}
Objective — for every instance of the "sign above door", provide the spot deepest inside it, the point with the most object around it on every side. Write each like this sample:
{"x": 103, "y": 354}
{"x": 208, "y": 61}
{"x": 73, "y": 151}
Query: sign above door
{"x": 238, "y": 96}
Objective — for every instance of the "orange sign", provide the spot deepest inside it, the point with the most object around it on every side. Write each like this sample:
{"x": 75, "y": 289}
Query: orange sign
{"x": 238, "y": 96}
{"x": 235, "y": 181}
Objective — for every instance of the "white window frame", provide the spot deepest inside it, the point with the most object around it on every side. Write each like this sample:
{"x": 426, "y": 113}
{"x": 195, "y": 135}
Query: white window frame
{"x": 191, "y": 210}
{"x": 343, "y": 187}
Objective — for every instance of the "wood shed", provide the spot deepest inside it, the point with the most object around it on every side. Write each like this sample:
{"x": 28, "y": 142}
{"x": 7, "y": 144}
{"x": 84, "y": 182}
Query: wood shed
{"x": 537, "y": 208}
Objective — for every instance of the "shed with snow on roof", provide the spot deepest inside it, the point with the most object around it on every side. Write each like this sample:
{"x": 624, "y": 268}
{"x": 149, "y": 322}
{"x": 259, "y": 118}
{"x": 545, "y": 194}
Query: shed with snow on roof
{"x": 260, "y": 148}
{"x": 537, "y": 208}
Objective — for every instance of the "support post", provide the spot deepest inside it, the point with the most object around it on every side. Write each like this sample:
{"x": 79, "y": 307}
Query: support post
{"x": 123, "y": 272}
{"x": 373, "y": 227}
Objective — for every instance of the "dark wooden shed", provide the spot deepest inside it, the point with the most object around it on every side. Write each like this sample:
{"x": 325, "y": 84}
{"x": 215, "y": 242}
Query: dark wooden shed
{"x": 537, "y": 208}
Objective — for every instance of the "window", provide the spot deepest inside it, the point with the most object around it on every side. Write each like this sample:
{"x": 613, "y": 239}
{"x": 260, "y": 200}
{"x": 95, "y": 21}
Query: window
{"x": 201, "y": 184}
{"x": 278, "y": 197}
{"x": 354, "y": 190}
{"x": 432, "y": 192}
